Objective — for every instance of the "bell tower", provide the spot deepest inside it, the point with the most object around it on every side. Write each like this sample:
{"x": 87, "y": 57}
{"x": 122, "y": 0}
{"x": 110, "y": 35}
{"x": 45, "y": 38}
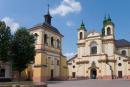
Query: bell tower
{"x": 108, "y": 36}
{"x": 81, "y": 39}
{"x": 108, "y": 28}
{"x": 82, "y": 32}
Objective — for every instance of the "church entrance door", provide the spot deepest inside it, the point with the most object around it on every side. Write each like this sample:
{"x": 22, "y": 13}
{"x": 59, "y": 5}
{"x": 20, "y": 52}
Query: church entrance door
{"x": 52, "y": 74}
{"x": 119, "y": 74}
{"x": 93, "y": 73}
{"x": 73, "y": 74}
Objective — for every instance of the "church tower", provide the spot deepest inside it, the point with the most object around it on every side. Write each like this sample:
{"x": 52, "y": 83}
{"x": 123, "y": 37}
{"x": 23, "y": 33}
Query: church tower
{"x": 108, "y": 28}
{"x": 49, "y": 59}
{"x": 81, "y": 40}
{"x": 82, "y": 32}
{"x": 108, "y": 36}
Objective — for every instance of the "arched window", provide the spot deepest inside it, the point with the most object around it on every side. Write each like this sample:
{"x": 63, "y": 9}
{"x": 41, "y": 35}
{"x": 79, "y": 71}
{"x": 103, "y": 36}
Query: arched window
{"x": 108, "y": 31}
{"x": 36, "y": 37}
{"x": 123, "y": 53}
{"x": 35, "y": 34}
{"x": 58, "y": 43}
{"x": 81, "y": 35}
{"x": 45, "y": 39}
{"x": 2, "y": 72}
{"x": 119, "y": 58}
{"x": 93, "y": 48}
{"x": 52, "y": 41}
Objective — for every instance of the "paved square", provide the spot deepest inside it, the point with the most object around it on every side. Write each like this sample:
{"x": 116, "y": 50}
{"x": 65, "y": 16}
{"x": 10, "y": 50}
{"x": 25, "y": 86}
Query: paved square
{"x": 90, "y": 83}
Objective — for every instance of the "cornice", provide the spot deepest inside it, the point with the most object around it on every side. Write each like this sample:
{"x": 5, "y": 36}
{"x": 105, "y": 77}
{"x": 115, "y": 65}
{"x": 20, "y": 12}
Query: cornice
{"x": 110, "y": 60}
{"x": 82, "y": 62}
{"x": 94, "y": 55}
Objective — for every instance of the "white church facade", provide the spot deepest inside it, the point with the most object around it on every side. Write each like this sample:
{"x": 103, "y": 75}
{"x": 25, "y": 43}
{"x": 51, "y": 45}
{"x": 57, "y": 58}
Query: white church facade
{"x": 100, "y": 55}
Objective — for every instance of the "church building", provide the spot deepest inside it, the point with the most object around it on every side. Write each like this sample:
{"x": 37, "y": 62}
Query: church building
{"x": 100, "y": 55}
{"x": 49, "y": 63}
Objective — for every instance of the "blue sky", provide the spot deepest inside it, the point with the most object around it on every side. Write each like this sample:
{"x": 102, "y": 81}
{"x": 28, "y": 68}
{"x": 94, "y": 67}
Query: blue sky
{"x": 67, "y": 16}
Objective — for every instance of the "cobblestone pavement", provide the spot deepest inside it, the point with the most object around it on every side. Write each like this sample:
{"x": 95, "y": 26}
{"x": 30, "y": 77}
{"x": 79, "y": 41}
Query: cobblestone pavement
{"x": 90, "y": 83}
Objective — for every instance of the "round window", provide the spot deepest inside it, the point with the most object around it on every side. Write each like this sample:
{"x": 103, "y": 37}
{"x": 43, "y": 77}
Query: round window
{"x": 119, "y": 64}
{"x": 73, "y": 66}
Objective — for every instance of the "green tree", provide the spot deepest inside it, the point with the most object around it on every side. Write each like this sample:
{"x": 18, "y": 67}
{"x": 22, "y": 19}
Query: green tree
{"x": 5, "y": 40}
{"x": 23, "y": 49}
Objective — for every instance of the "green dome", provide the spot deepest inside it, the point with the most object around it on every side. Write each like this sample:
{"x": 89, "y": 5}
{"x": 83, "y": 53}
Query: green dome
{"x": 82, "y": 26}
{"x": 107, "y": 21}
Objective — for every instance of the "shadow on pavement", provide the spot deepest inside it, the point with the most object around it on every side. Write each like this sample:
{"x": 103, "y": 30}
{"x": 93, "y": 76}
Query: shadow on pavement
{"x": 54, "y": 82}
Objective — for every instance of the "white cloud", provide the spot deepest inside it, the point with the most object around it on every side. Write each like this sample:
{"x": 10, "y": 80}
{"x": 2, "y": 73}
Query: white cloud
{"x": 69, "y": 23}
{"x": 11, "y": 23}
{"x": 69, "y": 55}
{"x": 66, "y": 7}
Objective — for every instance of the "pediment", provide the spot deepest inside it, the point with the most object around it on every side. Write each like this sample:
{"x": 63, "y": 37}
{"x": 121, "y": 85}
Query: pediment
{"x": 93, "y": 34}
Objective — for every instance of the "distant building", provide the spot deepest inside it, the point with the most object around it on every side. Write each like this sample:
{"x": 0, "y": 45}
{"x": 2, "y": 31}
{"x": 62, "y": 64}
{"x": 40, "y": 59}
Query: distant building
{"x": 100, "y": 55}
{"x": 5, "y": 71}
{"x": 49, "y": 62}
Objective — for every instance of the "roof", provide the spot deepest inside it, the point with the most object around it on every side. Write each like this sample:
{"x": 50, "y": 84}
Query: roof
{"x": 122, "y": 43}
{"x": 45, "y": 25}
{"x": 72, "y": 58}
